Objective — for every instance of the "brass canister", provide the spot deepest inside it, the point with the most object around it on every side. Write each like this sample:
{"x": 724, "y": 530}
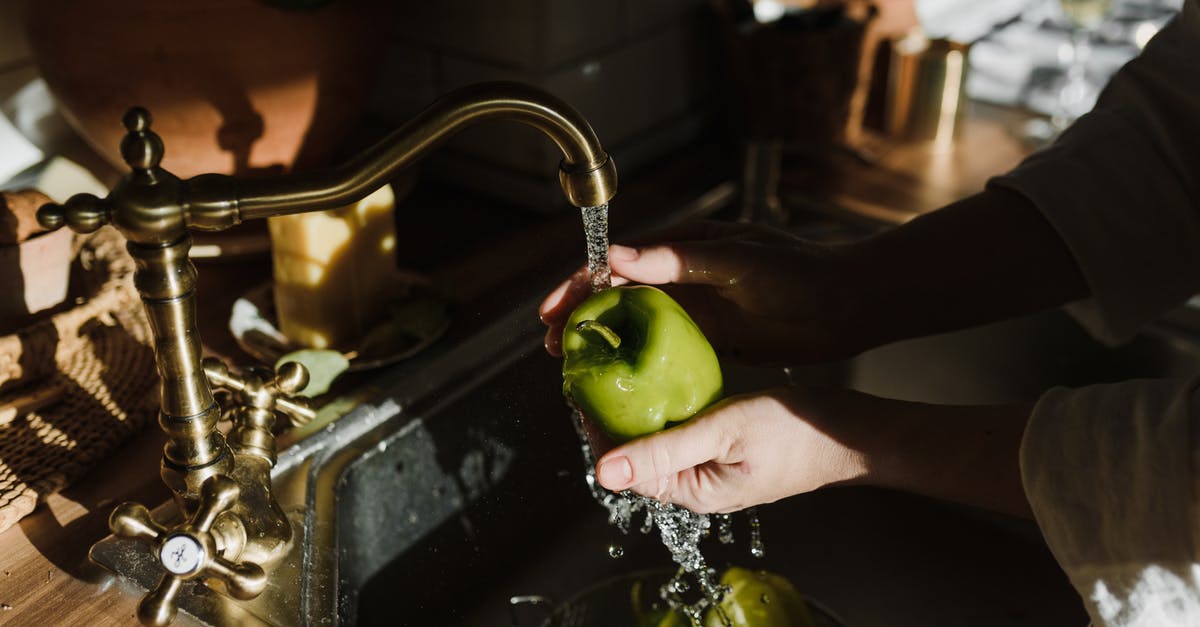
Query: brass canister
{"x": 926, "y": 85}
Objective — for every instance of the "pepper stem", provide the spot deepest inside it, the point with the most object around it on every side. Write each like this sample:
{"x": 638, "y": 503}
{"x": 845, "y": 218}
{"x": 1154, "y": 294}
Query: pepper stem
{"x": 608, "y": 334}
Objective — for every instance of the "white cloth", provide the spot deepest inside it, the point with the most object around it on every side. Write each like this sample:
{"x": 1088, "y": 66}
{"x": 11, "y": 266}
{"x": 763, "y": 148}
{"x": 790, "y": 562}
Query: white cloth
{"x": 965, "y": 20}
{"x": 1110, "y": 473}
{"x": 1113, "y": 471}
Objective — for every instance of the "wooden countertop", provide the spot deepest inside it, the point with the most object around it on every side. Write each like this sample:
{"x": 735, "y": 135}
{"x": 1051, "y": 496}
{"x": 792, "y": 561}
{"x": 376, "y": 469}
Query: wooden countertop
{"x": 45, "y": 577}
{"x": 888, "y": 182}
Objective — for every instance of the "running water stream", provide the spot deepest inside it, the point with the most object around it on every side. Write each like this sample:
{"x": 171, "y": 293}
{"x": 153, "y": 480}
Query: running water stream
{"x": 595, "y": 230}
{"x": 680, "y": 529}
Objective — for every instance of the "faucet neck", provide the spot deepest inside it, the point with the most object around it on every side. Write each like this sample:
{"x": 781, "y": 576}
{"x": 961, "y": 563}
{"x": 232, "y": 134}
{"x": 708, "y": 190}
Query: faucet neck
{"x": 587, "y": 174}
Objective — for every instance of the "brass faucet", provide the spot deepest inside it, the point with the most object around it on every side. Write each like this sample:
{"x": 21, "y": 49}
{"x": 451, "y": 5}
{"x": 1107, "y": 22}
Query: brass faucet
{"x": 234, "y": 529}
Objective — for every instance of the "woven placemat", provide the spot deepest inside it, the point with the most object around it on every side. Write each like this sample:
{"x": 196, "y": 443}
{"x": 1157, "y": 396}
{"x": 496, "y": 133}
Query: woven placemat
{"x": 95, "y": 361}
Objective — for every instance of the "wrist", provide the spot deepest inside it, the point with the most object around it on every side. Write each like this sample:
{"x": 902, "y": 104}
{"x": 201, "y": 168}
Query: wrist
{"x": 965, "y": 454}
{"x": 844, "y": 456}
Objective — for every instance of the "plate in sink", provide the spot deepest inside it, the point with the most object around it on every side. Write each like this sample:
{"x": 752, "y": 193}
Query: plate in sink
{"x": 415, "y": 322}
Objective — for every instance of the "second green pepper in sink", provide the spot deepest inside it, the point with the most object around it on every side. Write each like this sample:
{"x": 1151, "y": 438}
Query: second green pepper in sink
{"x": 635, "y": 362}
{"x": 753, "y": 598}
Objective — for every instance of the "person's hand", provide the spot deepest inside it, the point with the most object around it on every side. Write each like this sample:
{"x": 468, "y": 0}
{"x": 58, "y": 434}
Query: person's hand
{"x": 744, "y": 451}
{"x": 759, "y": 448}
{"x": 760, "y": 295}
{"x": 764, "y": 296}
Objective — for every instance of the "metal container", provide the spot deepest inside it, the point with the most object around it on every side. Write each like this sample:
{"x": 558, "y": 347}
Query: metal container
{"x": 925, "y": 96}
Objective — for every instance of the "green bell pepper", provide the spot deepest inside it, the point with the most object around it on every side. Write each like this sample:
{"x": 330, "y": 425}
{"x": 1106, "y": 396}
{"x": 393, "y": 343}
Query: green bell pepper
{"x": 754, "y": 599}
{"x": 635, "y": 362}
{"x": 760, "y": 599}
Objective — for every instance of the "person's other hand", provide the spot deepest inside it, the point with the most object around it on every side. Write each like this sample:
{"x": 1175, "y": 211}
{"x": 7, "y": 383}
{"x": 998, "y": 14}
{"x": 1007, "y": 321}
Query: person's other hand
{"x": 744, "y": 451}
{"x": 760, "y": 295}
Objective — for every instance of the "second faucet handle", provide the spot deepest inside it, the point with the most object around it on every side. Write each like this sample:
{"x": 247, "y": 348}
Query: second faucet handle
{"x": 187, "y": 551}
{"x": 272, "y": 391}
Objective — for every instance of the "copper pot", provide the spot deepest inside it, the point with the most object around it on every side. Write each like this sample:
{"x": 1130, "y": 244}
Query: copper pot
{"x": 235, "y": 86}
{"x": 34, "y": 265}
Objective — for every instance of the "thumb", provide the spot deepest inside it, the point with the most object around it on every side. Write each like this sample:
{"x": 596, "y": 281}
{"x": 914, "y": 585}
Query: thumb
{"x": 656, "y": 458}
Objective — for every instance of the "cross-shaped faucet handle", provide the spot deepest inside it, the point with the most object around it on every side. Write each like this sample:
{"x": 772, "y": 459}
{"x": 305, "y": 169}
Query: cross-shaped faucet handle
{"x": 187, "y": 551}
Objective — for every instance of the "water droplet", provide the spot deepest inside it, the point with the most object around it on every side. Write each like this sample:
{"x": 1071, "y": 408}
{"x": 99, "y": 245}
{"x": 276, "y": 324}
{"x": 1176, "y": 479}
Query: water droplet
{"x": 766, "y": 600}
{"x": 725, "y": 528}
{"x": 616, "y": 551}
{"x": 757, "y": 548}
{"x": 648, "y": 524}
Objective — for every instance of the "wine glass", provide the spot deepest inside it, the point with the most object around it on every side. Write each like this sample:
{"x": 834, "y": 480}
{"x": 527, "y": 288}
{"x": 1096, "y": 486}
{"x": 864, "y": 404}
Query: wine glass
{"x": 1075, "y": 93}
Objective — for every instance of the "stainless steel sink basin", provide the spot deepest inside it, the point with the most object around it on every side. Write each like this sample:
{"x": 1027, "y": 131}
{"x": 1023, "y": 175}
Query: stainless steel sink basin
{"x": 473, "y": 493}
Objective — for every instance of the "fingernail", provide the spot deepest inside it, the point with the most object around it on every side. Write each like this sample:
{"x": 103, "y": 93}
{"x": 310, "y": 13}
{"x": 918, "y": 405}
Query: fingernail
{"x": 622, "y": 253}
{"x": 615, "y": 473}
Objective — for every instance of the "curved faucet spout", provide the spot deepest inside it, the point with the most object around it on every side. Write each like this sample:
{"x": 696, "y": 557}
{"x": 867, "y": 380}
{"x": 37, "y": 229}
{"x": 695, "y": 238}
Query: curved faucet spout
{"x": 587, "y": 174}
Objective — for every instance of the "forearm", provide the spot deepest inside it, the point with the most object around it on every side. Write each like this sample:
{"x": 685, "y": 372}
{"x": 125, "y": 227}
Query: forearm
{"x": 964, "y": 454}
{"x": 986, "y": 258}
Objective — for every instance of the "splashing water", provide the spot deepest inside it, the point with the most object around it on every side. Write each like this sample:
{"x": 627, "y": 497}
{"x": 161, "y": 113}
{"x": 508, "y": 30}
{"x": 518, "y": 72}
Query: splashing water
{"x": 725, "y": 528}
{"x": 680, "y": 529}
{"x": 595, "y": 230}
{"x": 648, "y": 524}
{"x": 757, "y": 548}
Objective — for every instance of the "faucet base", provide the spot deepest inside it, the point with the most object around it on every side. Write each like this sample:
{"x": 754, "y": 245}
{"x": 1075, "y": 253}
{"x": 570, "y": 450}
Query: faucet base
{"x": 140, "y": 571}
